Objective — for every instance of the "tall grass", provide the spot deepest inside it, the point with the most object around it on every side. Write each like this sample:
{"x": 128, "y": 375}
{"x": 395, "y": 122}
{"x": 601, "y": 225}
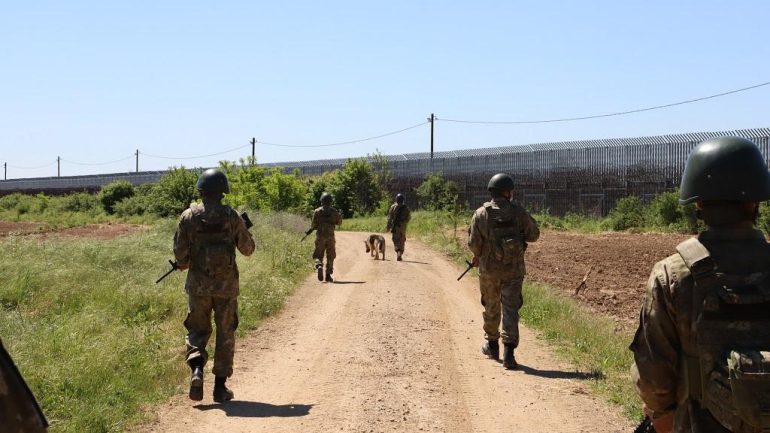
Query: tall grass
{"x": 97, "y": 340}
{"x": 581, "y": 337}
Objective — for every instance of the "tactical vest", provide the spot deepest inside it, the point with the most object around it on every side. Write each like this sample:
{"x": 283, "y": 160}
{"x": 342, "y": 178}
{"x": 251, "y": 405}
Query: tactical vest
{"x": 730, "y": 375}
{"x": 399, "y": 215}
{"x": 505, "y": 234}
{"x": 213, "y": 249}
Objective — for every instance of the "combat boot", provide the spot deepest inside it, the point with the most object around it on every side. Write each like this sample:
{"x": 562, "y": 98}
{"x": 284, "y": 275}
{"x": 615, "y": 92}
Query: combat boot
{"x": 492, "y": 349}
{"x": 320, "y": 270}
{"x": 398, "y": 256}
{"x": 221, "y": 392}
{"x": 509, "y": 361}
{"x": 196, "y": 384}
{"x": 329, "y": 278}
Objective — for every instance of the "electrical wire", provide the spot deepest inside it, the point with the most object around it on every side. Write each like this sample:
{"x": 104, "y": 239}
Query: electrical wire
{"x": 196, "y": 157}
{"x": 361, "y": 140}
{"x": 619, "y": 113}
{"x": 19, "y": 167}
{"x": 98, "y": 163}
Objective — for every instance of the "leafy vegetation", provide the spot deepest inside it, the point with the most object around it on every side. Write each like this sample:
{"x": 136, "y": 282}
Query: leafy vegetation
{"x": 97, "y": 340}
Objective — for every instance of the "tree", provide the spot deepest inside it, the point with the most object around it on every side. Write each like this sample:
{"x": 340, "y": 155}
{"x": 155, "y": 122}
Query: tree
{"x": 437, "y": 193}
{"x": 115, "y": 192}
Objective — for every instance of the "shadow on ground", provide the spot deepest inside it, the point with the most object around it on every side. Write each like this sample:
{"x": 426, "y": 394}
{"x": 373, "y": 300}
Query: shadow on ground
{"x": 555, "y": 374}
{"x": 414, "y": 261}
{"x": 349, "y": 282}
{"x": 253, "y": 409}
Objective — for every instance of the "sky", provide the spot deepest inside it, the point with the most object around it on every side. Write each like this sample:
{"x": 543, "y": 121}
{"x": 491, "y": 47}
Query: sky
{"x": 91, "y": 82}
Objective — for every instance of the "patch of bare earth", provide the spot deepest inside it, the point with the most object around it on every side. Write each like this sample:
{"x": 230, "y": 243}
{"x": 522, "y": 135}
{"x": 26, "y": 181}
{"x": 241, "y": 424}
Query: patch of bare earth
{"x": 92, "y": 231}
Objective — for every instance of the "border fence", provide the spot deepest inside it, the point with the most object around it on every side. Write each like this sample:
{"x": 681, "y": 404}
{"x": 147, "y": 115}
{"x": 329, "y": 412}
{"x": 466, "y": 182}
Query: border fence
{"x": 586, "y": 176}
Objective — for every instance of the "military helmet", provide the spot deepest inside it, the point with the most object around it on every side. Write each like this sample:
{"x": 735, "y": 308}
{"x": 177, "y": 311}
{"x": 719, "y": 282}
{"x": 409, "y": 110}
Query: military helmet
{"x": 213, "y": 180}
{"x": 725, "y": 169}
{"x": 326, "y": 198}
{"x": 500, "y": 182}
{"x": 399, "y": 198}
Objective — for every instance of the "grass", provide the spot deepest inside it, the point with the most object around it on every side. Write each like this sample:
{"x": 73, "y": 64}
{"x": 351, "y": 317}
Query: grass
{"x": 96, "y": 340}
{"x": 587, "y": 341}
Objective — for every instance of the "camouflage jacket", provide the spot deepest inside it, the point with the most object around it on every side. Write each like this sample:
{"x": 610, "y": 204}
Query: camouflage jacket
{"x": 197, "y": 227}
{"x": 398, "y": 215}
{"x": 665, "y": 336}
{"x": 325, "y": 220}
{"x": 480, "y": 239}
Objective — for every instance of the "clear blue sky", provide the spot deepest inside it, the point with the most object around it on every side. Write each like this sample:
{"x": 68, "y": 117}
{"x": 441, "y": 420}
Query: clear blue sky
{"x": 93, "y": 81}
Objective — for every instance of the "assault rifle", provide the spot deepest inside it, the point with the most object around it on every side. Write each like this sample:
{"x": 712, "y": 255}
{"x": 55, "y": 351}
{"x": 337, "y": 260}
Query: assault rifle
{"x": 645, "y": 426}
{"x": 470, "y": 266}
{"x": 307, "y": 233}
{"x": 174, "y": 267}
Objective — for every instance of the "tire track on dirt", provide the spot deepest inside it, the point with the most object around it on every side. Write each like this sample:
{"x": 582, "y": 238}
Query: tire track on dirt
{"x": 391, "y": 346}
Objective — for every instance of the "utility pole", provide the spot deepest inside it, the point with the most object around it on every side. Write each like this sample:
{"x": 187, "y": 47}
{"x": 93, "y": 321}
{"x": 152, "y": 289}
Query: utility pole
{"x": 253, "y": 150}
{"x": 5, "y": 171}
{"x": 431, "y": 119}
{"x": 58, "y": 166}
{"x": 137, "y": 160}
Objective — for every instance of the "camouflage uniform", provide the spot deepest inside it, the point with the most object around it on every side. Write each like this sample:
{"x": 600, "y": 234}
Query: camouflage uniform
{"x": 398, "y": 217}
{"x": 205, "y": 240}
{"x": 668, "y": 346}
{"x": 19, "y": 411}
{"x": 500, "y": 281}
{"x": 325, "y": 219}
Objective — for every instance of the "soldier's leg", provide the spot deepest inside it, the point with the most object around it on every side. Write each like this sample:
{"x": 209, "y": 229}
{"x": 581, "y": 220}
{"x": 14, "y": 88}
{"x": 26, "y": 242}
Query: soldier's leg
{"x": 198, "y": 324}
{"x": 399, "y": 239}
{"x": 331, "y": 254}
{"x": 226, "y": 321}
{"x": 490, "y": 299}
{"x": 512, "y": 300}
{"x": 318, "y": 256}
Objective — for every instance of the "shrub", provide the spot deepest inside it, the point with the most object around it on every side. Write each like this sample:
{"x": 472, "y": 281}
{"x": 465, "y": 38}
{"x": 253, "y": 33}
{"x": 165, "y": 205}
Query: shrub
{"x": 629, "y": 212}
{"x": 437, "y": 193}
{"x": 78, "y": 202}
{"x": 115, "y": 192}
{"x": 174, "y": 192}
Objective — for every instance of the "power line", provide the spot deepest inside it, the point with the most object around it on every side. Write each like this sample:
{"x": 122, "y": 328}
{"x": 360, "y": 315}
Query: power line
{"x": 619, "y": 113}
{"x": 20, "y": 167}
{"x": 97, "y": 163}
{"x": 346, "y": 142}
{"x": 199, "y": 156}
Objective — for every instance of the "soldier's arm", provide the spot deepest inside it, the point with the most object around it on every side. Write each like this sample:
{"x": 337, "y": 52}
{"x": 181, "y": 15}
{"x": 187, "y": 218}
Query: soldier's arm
{"x": 407, "y": 215}
{"x": 337, "y": 217}
{"x": 314, "y": 220}
{"x": 244, "y": 241}
{"x": 656, "y": 348}
{"x": 476, "y": 234}
{"x": 182, "y": 241}
{"x": 531, "y": 230}
{"x": 390, "y": 217}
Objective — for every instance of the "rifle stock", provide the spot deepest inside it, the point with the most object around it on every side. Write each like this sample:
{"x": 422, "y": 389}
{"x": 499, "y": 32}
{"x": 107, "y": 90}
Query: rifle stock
{"x": 470, "y": 266}
{"x": 174, "y": 267}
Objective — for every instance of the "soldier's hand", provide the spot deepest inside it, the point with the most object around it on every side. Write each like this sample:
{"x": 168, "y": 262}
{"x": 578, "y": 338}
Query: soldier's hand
{"x": 182, "y": 267}
{"x": 475, "y": 261}
{"x": 663, "y": 424}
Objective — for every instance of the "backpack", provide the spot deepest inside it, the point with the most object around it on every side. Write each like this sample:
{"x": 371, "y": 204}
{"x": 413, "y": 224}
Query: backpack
{"x": 214, "y": 250}
{"x": 506, "y": 238}
{"x": 730, "y": 376}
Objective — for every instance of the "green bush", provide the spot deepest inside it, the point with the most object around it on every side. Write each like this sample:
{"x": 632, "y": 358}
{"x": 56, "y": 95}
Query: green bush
{"x": 437, "y": 193}
{"x": 629, "y": 212}
{"x": 115, "y": 192}
{"x": 78, "y": 202}
{"x": 174, "y": 192}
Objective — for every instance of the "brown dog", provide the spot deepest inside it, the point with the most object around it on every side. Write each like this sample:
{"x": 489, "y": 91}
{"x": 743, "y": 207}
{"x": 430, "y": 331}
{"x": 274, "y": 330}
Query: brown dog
{"x": 375, "y": 245}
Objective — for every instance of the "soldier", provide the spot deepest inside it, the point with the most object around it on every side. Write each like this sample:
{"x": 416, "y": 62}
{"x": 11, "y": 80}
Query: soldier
{"x": 19, "y": 411}
{"x": 205, "y": 243}
{"x": 702, "y": 349}
{"x": 499, "y": 232}
{"x": 398, "y": 216}
{"x": 325, "y": 220}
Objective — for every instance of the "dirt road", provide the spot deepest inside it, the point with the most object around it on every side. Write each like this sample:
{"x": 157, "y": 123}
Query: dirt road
{"x": 390, "y": 346}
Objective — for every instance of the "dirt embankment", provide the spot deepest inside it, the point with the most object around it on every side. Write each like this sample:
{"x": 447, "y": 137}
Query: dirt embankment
{"x": 94, "y": 231}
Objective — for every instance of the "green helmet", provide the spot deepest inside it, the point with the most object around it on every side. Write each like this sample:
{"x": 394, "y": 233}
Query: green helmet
{"x": 399, "y": 198}
{"x": 725, "y": 169}
{"x": 213, "y": 180}
{"x": 326, "y": 198}
{"x": 500, "y": 182}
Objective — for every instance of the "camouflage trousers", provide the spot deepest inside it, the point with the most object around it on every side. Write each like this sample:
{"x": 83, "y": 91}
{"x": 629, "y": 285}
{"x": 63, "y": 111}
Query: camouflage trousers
{"x": 399, "y": 238}
{"x": 501, "y": 295}
{"x": 198, "y": 324}
{"x": 325, "y": 246}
